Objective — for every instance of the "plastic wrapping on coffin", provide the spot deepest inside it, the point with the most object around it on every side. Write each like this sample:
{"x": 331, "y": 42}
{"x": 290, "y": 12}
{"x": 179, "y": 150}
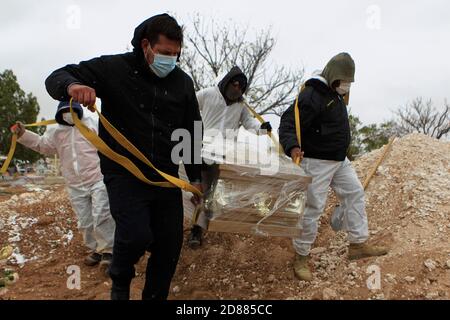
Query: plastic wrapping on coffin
{"x": 253, "y": 198}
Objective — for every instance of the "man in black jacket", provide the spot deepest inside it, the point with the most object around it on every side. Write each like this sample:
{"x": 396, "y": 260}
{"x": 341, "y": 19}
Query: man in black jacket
{"x": 146, "y": 97}
{"x": 325, "y": 133}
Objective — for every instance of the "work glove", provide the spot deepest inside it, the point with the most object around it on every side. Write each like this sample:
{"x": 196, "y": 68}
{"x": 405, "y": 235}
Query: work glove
{"x": 266, "y": 126}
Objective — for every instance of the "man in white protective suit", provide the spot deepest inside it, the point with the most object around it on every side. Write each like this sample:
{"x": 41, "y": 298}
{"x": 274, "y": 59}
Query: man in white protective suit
{"x": 223, "y": 112}
{"x": 80, "y": 167}
{"x": 326, "y": 136}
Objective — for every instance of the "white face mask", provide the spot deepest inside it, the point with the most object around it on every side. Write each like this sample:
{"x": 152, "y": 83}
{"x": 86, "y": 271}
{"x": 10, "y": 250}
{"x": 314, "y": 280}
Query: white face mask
{"x": 67, "y": 117}
{"x": 344, "y": 88}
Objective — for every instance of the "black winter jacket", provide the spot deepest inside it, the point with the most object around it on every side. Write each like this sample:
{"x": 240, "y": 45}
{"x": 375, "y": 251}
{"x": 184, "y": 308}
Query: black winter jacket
{"x": 324, "y": 124}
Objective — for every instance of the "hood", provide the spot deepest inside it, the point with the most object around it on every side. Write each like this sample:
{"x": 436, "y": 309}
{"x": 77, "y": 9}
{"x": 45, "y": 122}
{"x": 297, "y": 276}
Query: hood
{"x": 63, "y": 107}
{"x": 340, "y": 67}
{"x": 235, "y": 72}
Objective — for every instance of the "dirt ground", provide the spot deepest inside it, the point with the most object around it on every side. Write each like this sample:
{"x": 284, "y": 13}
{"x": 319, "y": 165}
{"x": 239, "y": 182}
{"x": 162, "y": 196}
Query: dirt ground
{"x": 408, "y": 205}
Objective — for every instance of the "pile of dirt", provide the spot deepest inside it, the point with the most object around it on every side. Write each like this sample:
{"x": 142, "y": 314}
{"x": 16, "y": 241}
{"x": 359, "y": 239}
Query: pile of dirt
{"x": 408, "y": 205}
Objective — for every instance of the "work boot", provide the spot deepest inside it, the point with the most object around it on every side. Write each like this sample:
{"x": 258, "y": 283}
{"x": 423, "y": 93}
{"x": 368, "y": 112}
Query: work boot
{"x": 301, "y": 268}
{"x": 105, "y": 263}
{"x": 195, "y": 237}
{"x": 93, "y": 259}
{"x": 358, "y": 251}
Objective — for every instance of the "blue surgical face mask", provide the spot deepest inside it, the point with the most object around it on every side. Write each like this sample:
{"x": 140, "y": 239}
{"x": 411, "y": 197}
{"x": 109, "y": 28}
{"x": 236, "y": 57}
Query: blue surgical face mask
{"x": 163, "y": 65}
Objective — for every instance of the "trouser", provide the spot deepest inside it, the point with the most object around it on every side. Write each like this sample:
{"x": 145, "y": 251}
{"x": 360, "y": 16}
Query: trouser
{"x": 147, "y": 218}
{"x": 210, "y": 174}
{"x": 91, "y": 205}
{"x": 343, "y": 179}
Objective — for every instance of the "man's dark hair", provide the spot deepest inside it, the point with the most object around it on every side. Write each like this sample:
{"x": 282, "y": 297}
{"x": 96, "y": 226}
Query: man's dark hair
{"x": 163, "y": 25}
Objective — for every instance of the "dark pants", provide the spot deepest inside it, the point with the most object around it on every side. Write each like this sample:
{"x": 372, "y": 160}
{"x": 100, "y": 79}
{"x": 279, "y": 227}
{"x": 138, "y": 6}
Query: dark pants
{"x": 147, "y": 218}
{"x": 210, "y": 174}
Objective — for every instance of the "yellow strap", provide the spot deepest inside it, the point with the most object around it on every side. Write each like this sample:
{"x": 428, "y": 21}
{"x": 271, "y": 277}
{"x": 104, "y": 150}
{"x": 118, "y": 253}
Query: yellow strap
{"x": 41, "y": 123}
{"x": 347, "y": 99}
{"x": 12, "y": 148}
{"x": 261, "y": 119}
{"x": 297, "y": 127}
{"x": 378, "y": 163}
{"x": 93, "y": 138}
{"x": 298, "y": 130}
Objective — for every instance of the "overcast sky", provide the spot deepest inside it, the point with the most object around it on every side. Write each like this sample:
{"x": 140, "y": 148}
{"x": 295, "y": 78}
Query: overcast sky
{"x": 401, "y": 48}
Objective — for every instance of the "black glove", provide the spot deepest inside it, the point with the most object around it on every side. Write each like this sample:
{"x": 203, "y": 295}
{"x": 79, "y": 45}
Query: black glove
{"x": 266, "y": 126}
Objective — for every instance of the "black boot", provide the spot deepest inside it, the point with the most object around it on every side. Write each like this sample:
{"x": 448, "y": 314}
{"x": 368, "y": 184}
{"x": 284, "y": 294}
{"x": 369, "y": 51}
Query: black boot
{"x": 105, "y": 263}
{"x": 195, "y": 237}
{"x": 93, "y": 259}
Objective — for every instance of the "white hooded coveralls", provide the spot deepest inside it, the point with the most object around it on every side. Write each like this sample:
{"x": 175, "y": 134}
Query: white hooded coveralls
{"x": 80, "y": 167}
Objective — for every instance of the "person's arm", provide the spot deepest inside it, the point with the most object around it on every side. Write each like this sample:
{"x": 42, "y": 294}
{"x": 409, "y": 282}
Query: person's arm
{"x": 193, "y": 123}
{"x": 193, "y": 169}
{"x": 84, "y": 82}
{"x": 249, "y": 122}
{"x": 43, "y": 144}
{"x": 201, "y": 99}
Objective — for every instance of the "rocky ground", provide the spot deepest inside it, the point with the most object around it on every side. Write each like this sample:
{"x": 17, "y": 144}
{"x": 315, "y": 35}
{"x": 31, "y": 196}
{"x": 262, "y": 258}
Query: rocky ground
{"x": 408, "y": 205}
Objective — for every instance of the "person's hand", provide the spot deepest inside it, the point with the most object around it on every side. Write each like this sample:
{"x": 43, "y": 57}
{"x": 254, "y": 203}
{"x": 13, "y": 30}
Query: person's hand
{"x": 83, "y": 94}
{"x": 297, "y": 155}
{"x": 18, "y": 128}
{"x": 196, "y": 199}
{"x": 266, "y": 126}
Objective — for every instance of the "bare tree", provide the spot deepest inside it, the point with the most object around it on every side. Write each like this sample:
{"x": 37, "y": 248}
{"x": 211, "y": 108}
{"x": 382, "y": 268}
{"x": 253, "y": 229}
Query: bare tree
{"x": 423, "y": 117}
{"x": 212, "y": 49}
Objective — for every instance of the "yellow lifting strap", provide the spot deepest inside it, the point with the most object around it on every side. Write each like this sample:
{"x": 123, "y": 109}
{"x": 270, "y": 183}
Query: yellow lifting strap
{"x": 347, "y": 99}
{"x": 261, "y": 119}
{"x": 298, "y": 130}
{"x": 92, "y": 137}
{"x": 12, "y": 148}
{"x": 379, "y": 162}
